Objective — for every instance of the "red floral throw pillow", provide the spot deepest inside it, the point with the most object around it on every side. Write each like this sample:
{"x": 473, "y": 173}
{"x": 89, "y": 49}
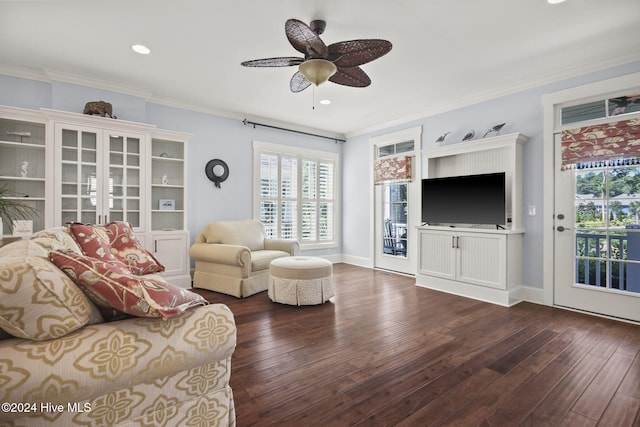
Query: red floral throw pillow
{"x": 93, "y": 240}
{"x": 115, "y": 242}
{"x": 110, "y": 284}
{"x": 126, "y": 248}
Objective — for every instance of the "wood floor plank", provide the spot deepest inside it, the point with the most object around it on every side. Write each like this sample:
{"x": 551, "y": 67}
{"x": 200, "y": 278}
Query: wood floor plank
{"x": 386, "y": 352}
{"x": 620, "y": 411}
{"x": 493, "y": 396}
{"x": 576, "y": 420}
{"x": 596, "y": 397}
{"x": 515, "y": 411}
{"x": 563, "y": 396}
{"x": 631, "y": 383}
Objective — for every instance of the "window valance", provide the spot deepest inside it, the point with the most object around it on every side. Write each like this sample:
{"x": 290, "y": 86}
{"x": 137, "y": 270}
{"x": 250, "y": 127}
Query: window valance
{"x": 392, "y": 169}
{"x": 614, "y": 143}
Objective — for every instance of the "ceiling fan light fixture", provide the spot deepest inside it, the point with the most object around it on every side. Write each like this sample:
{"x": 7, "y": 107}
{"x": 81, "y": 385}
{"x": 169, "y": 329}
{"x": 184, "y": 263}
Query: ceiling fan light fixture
{"x": 317, "y": 71}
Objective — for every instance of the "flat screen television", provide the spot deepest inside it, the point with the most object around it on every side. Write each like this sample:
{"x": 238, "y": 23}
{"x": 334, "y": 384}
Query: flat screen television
{"x": 468, "y": 199}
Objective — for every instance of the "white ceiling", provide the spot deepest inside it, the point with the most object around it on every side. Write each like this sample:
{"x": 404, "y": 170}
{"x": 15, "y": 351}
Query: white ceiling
{"x": 446, "y": 54}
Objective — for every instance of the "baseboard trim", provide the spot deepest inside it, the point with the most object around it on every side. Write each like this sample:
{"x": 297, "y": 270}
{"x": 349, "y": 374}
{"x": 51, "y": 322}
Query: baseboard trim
{"x": 533, "y": 295}
{"x": 357, "y": 261}
{"x": 504, "y": 298}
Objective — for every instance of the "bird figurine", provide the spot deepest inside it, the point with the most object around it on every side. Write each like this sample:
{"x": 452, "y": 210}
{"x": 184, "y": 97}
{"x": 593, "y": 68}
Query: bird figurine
{"x": 440, "y": 140}
{"x": 495, "y": 129}
{"x": 469, "y": 135}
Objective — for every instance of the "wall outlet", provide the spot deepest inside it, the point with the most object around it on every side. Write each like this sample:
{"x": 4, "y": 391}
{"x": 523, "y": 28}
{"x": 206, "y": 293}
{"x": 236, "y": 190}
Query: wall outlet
{"x": 532, "y": 211}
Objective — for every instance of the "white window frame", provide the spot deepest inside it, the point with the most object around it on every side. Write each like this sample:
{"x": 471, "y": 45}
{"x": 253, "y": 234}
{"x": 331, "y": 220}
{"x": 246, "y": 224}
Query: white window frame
{"x": 301, "y": 154}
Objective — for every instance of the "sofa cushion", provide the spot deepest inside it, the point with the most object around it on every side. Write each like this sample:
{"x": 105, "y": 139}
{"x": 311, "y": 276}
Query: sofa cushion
{"x": 37, "y": 300}
{"x": 57, "y": 238}
{"x": 249, "y": 233}
{"x": 110, "y": 284}
{"x": 115, "y": 242}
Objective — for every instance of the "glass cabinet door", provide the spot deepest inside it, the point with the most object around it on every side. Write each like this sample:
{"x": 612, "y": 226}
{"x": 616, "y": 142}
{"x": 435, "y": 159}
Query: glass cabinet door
{"x": 101, "y": 175}
{"x": 123, "y": 185}
{"x": 80, "y": 193}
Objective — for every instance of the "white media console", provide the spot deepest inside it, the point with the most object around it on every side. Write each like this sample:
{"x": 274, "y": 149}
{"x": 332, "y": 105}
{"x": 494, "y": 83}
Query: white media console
{"x": 470, "y": 260}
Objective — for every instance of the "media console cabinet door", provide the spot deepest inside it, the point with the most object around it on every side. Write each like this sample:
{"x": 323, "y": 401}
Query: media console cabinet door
{"x": 482, "y": 259}
{"x": 470, "y": 257}
{"x": 437, "y": 254}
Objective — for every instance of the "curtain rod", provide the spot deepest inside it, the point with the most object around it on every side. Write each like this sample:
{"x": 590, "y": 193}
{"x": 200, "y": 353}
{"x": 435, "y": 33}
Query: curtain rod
{"x": 247, "y": 122}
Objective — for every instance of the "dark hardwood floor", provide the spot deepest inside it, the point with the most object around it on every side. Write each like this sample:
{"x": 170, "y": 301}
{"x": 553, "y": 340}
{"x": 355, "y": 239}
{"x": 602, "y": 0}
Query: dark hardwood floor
{"x": 385, "y": 352}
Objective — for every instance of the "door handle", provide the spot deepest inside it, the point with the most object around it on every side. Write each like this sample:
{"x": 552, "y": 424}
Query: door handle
{"x": 562, "y": 228}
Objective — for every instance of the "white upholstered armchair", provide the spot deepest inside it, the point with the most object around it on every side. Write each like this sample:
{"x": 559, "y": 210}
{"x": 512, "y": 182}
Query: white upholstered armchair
{"x": 233, "y": 257}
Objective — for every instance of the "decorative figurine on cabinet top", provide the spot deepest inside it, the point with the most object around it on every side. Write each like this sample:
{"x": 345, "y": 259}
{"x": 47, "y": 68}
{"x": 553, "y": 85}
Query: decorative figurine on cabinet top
{"x": 441, "y": 138}
{"x": 495, "y": 130}
{"x": 100, "y": 108}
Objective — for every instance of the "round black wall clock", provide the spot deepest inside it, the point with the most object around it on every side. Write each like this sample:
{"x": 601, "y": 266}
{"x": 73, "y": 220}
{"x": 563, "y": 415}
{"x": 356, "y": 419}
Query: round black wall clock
{"x": 217, "y": 171}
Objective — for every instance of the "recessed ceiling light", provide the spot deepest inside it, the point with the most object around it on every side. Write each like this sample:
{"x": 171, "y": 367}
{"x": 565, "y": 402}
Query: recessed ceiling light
{"x": 325, "y": 102}
{"x": 555, "y": 1}
{"x": 141, "y": 49}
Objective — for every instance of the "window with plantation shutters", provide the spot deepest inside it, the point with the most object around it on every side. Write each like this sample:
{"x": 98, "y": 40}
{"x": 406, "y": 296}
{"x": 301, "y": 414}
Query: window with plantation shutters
{"x": 296, "y": 193}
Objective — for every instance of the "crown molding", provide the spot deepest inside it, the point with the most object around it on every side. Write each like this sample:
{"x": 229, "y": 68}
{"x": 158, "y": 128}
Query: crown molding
{"x": 25, "y": 73}
{"x": 488, "y": 95}
{"x": 76, "y": 79}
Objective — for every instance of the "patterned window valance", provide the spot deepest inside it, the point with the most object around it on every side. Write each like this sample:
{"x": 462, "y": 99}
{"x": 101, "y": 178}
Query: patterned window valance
{"x": 599, "y": 145}
{"x": 392, "y": 169}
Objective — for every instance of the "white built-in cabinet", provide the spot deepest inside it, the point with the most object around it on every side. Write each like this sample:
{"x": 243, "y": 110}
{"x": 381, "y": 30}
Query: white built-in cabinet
{"x": 96, "y": 170}
{"x": 479, "y": 262}
{"x": 168, "y": 234}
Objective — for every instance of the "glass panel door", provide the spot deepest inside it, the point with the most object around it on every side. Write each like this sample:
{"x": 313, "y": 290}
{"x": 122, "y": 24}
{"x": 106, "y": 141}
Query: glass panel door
{"x": 79, "y": 191}
{"x": 395, "y": 211}
{"x": 597, "y": 239}
{"x": 396, "y": 203}
{"x": 607, "y": 228}
{"x": 122, "y": 185}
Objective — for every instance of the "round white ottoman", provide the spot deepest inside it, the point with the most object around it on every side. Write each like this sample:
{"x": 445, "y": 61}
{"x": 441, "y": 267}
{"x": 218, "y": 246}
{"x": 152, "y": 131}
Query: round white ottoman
{"x": 300, "y": 280}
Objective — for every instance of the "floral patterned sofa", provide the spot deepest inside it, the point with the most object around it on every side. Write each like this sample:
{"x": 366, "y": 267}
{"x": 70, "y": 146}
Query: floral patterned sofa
{"x": 61, "y": 363}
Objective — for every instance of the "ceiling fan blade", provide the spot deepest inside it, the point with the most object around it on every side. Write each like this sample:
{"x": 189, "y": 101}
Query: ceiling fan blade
{"x": 357, "y": 52}
{"x": 304, "y": 40}
{"x": 298, "y": 82}
{"x": 352, "y": 76}
{"x": 285, "y": 61}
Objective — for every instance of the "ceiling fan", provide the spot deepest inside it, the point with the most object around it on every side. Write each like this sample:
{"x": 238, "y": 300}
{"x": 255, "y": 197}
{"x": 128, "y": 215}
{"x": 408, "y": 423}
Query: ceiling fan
{"x": 339, "y": 62}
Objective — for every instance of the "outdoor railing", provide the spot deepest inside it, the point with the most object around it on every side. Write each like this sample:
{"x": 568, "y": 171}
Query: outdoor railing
{"x": 603, "y": 258}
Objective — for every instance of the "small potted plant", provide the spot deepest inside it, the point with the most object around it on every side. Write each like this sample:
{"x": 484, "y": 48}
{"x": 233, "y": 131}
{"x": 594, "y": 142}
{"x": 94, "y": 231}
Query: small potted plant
{"x": 12, "y": 208}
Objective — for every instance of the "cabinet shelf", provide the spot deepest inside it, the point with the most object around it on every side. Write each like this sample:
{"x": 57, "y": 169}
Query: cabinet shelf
{"x": 122, "y": 153}
{"x": 26, "y": 145}
{"x": 75, "y": 163}
{"x": 27, "y": 199}
{"x": 167, "y": 159}
{"x": 167, "y": 211}
{"x": 19, "y": 178}
{"x": 167, "y": 186}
